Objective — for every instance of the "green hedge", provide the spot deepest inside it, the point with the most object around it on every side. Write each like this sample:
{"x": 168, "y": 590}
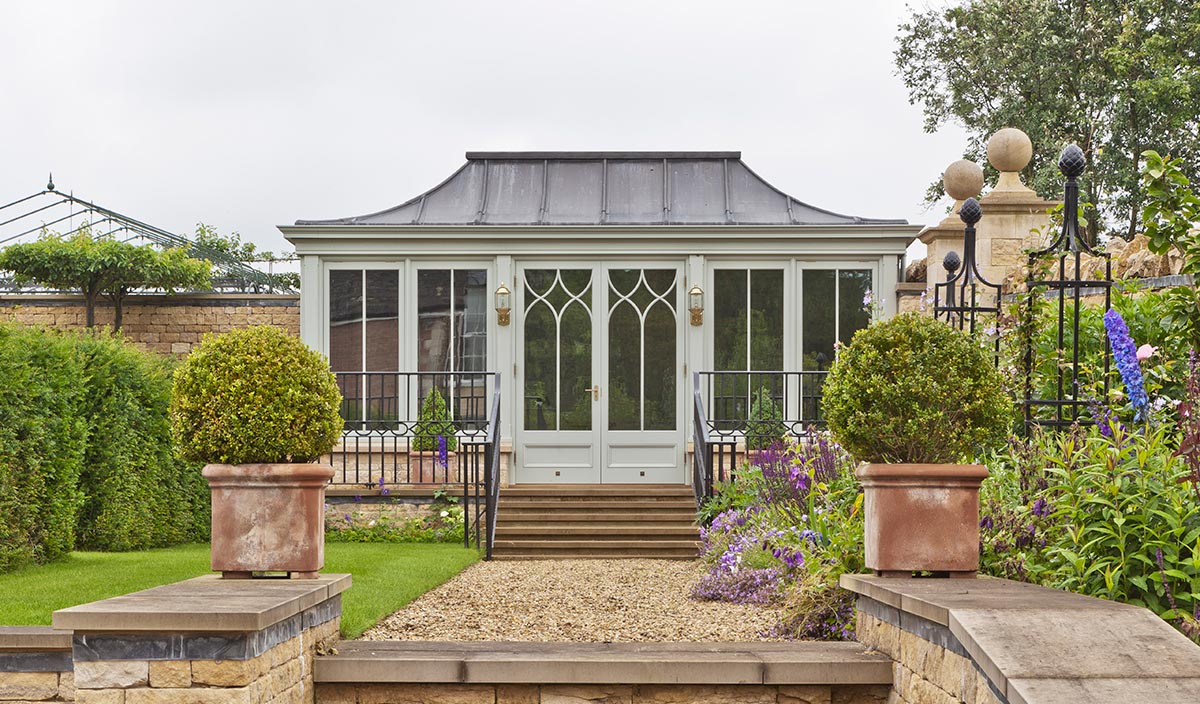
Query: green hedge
{"x": 85, "y": 450}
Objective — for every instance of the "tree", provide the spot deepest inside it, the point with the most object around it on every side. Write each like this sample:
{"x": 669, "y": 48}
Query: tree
{"x": 103, "y": 266}
{"x": 1116, "y": 77}
{"x": 1171, "y": 217}
{"x": 207, "y": 238}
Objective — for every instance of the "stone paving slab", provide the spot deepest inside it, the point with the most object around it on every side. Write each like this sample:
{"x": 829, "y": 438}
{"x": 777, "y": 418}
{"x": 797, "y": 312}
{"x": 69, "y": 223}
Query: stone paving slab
{"x": 583, "y": 663}
{"x": 207, "y": 604}
{"x": 1172, "y": 690}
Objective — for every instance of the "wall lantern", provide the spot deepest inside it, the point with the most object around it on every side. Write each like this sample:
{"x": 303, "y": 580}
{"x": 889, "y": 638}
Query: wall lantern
{"x": 503, "y": 304}
{"x": 696, "y": 304}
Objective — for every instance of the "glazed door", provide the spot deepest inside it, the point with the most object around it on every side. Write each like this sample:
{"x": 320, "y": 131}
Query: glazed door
{"x": 558, "y": 438}
{"x": 643, "y": 439}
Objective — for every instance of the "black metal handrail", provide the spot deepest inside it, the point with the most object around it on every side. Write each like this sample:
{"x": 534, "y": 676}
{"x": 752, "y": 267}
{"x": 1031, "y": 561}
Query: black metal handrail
{"x": 742, "y": 412}
{"x": 492, "y": 473}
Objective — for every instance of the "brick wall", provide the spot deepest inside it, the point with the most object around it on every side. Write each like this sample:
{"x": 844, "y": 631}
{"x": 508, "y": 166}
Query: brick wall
{"x": 164, "y": 324}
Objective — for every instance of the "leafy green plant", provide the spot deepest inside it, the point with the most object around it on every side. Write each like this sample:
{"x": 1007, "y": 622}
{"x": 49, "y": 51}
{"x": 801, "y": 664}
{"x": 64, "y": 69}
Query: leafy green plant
{"x": 913, "y": 389}
{"x": 1170, "y": 217}
{"x": 98, "y": 266}
{"x": 442, "y": 522}
{"x": 1101, "y": 511}
{"x": 764, "y": 424}
{"x": 255, "y": 395}
{"x": 433, "y": 422}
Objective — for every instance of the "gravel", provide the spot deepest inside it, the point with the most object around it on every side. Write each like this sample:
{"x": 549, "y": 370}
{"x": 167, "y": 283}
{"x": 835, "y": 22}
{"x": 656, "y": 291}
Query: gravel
{"x": 574, "y": 600}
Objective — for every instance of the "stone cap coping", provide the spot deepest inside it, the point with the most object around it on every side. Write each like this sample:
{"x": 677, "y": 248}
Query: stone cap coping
{"x": 35, "y": 638}
{"x": 1040, "y": 645}
{"x": 204, "y": 604}
{"x": 367, "y": 662}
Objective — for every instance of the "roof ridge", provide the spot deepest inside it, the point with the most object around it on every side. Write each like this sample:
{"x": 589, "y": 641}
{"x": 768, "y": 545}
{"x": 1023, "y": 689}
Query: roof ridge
{"x": 591, "y": 155}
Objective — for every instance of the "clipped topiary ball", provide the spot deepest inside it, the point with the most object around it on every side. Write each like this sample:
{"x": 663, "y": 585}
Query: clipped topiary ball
{"x": 255, "y": 395}
{"x": 912, "y": 389}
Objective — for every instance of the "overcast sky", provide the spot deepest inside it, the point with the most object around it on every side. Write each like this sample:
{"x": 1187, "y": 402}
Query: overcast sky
{"x": 247, "y": 115}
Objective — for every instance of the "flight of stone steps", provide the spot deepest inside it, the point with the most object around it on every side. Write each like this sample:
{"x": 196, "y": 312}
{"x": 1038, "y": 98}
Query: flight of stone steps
{"x": 539, "y": 522}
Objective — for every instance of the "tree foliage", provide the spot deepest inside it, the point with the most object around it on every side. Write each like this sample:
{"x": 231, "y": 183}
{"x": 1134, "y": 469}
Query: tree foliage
{"x": 97, "y": 266}
{"x": 1116, "y": 77}
{"x": 1171, "y": 218}
{"x": 231, "y": 245}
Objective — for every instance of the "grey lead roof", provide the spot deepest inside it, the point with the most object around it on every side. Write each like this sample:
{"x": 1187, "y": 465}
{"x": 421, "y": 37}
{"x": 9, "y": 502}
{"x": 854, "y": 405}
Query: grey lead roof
{"x": 604, "y": 188}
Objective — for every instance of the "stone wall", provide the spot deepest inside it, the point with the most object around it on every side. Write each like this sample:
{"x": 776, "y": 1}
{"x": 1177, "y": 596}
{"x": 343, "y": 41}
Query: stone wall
{"x": 164, "y": 324}
{"x": 600, "y": 694}
{"x": 35, "y": 665}
{"x": 931, "y": 668}
{"x": 201, "y": 641}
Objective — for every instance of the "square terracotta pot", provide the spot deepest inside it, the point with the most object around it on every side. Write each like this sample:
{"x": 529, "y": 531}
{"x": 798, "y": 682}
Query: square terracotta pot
{"x": 921, "y": 517}
{"x": 268, "y": 518}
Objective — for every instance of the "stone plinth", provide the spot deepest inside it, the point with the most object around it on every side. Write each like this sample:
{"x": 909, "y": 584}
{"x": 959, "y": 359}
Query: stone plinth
{"x": 204, "y": 640}
{"x": 990, "y": 641}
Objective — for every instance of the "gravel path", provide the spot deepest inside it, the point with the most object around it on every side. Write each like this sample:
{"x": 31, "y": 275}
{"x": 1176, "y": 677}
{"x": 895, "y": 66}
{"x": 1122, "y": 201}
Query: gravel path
{"x": 574, "y": 600}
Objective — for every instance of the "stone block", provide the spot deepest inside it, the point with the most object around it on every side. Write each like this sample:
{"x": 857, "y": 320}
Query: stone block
{"x": 194, "y": 695}
{"x": 696, "y": 694}
{"x": 592, "y": 694}
{"x": 288, "y": 650}
{"x": 111, "y": 674}
{"x": 517, "y": 694}
{"x": 170, "y": 673}
{"x": 66, "y": 686}
{"x": 862, "y": 694}
{"x": 427, "y": 694}
{"x": 229, "y": 673}
{"x": 28, "y": 685}
{"x": 348, "y": 694}
{"x": 181, "y": 347}
{"x": 804, "y": 694}
{"x": 100, "y": 696}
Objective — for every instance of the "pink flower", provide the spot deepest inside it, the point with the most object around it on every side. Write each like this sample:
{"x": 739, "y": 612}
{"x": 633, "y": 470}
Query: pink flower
{"x": 1145, "y": 352}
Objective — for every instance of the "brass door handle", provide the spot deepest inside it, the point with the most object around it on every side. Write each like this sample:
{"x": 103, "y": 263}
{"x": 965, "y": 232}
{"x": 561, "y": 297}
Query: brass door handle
{"x": 596, "y": 392}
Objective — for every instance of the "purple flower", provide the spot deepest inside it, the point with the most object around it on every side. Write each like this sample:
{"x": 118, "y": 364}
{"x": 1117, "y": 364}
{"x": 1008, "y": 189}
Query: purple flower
{"x": 347, "y": 517}
{"x": 1041, "y": 508}
{"x": 443, "y": 458}
{"x": 1125, "y": 355}
{"x": 987, "y": 523}
{"x": 357, "y": 498}
{"x": 385, "y": 491}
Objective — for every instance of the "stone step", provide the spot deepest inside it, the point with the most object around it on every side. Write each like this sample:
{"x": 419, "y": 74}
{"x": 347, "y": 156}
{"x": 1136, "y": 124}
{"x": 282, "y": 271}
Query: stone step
{"x": 566, "y": 531}
{"x": 521, "y": 515}
{"x": 635, "y": 490}
{"x": 597, "y": 555}
{"x": 597, "y": 505}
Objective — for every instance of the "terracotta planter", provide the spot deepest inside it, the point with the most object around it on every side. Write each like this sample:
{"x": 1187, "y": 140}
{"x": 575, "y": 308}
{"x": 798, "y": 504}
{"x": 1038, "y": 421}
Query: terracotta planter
{"x": 424, "y": 468}
{"x": 921, "y": 517}
{"x": 268, "y": 518}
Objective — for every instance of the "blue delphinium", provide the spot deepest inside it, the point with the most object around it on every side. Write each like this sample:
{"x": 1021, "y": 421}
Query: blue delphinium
{"x": 442, "y": 454}
{"x": 1125, "y": 355}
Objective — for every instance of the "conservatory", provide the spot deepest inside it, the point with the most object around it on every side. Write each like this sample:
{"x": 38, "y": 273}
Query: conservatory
{"x": 593, "y": 291}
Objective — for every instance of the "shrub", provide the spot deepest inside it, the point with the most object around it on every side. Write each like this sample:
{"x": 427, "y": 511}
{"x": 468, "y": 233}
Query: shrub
{"x": 138, "y": 492}
{"x": 434, "y": 422}
{"x": 442, "y": 523}
{"x": 255, "y": 395}
{"x": 42, "y": 440}
{"x": 913, "y": 389}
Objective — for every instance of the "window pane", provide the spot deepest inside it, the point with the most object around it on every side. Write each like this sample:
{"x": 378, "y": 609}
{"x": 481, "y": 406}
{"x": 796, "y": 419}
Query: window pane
{"x": 729, "y": 319}
{"x": 624, "y": 367}
{"x": 382, "y": 324}
{"x": 345, "y": 320}
{"x": 470, "y": 320}
{"x": 819, "y": 331}
{"x": 433, "y": 321}
{"x": 766, "y": 331}
{"x": 661, "y": 373}
{"x": 557, "y": 338}
{"x": 853, "y": 314}
{"x": 575, "y": 372}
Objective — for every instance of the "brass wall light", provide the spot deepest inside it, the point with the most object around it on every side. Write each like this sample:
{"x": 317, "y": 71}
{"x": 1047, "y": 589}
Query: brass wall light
{"x": 503, "y": 304}
{"x": 696, "y": 304}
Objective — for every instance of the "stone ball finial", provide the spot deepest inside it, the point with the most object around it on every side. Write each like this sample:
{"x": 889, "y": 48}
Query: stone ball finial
{"x": 1072, "y": 161}
{"x": 963, "y": 179}
{"x": 1010, "y": 150}
{"x": 970, "y": 212}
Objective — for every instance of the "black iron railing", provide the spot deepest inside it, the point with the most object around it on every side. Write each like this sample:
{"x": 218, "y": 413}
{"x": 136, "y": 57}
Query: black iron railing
{"x": 737, "y": 414}
{"x": 436, "y": 429}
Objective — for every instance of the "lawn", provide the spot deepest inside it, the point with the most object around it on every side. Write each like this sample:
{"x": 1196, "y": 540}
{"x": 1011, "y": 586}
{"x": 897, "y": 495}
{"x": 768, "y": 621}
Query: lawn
{"x": 386, "y": 577}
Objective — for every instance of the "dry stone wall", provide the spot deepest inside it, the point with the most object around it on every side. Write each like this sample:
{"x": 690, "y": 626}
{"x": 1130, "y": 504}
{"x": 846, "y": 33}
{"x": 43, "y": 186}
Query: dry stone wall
{"x": 163, "y": 324}
{"x": 438, "y": 693}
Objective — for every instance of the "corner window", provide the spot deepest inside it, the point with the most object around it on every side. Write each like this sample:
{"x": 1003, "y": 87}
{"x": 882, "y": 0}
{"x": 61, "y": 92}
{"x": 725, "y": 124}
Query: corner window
{"x": 833, "y": 306}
